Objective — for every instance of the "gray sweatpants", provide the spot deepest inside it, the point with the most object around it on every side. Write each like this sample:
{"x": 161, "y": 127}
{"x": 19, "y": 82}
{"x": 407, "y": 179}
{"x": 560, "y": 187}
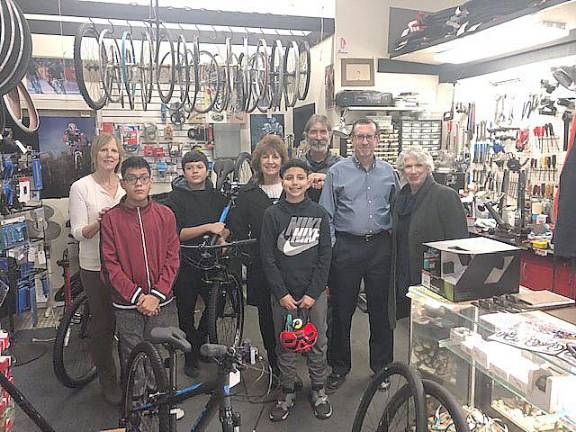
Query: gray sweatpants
{"x": 315, "y": 358}
{"x": 133, "y": 327}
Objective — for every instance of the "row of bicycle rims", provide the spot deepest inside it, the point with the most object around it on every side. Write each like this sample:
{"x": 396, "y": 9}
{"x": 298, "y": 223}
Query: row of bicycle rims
{"x": 128, "y": 69}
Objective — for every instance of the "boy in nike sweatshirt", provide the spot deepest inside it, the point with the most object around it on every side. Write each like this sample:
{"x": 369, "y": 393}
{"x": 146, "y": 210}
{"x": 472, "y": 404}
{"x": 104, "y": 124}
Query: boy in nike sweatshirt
{"x": 296, "y": 252}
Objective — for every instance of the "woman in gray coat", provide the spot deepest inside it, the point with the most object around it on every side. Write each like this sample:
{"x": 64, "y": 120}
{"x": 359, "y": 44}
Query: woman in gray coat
{"x": 424, "y": 211}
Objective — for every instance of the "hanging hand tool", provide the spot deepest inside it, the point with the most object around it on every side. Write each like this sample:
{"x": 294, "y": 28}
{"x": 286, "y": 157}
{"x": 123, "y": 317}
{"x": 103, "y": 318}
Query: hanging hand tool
{"x": 538, "y": 132}
{"x": 554, "y": 161}
{"x": 553, "y": 137}
{"x": 567, "y": 119}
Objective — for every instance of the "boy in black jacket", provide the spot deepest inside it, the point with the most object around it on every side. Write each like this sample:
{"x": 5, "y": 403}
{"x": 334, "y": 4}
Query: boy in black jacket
{"x": 197, "y": 207}
{"x": 296, "y": 253}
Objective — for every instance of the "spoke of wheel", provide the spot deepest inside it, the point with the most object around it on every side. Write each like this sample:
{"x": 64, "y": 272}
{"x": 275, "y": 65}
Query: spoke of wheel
{"x": 291, "y": 74}
{"x": 305, "y": 65}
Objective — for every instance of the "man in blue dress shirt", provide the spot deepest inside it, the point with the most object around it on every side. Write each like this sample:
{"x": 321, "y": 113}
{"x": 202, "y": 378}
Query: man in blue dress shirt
{"x": 358, "y": 193}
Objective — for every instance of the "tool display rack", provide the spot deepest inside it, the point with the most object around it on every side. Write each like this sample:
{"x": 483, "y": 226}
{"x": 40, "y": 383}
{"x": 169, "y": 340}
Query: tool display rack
{"x": 423, "y": 133}
{"x": 438, "y": 357}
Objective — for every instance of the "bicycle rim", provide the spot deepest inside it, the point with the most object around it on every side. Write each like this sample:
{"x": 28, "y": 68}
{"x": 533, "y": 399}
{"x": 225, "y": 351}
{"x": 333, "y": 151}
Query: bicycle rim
{"x": 192, "y": 52}
{"x": 384, "y": 411}
{"x": 226, "y": 312}
{"x": 276, "y": 74}
{"x": 291, "y": 74}
{"x": 128, "y": 67}
{"x": 208, "y": 82}
{"x": 72, "y": 361}
{"x": 145, "y": 377}
{"x": 165, "y": 72}
{"x": 146, "y": 66}
{"x": 305, "y": 64}
{"x": 87, "y": 67}
{"x": 110, "y": 67}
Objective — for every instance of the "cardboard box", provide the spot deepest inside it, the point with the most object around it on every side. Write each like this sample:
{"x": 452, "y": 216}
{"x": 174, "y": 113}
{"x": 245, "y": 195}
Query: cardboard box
{"x": 471, "y": 269}
{"x": 550, "y": 391}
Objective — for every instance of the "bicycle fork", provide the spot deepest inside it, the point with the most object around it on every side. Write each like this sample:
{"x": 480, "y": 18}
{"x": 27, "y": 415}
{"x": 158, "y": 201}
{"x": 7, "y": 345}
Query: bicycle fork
{"x": 229, "y": 419}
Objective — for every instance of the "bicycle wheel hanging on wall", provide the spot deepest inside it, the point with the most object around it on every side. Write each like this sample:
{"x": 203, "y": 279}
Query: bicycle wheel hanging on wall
{"x": 87, "y": 66}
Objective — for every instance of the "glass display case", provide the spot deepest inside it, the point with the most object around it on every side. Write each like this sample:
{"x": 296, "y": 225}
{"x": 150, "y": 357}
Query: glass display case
{"x": 514, "y": 366}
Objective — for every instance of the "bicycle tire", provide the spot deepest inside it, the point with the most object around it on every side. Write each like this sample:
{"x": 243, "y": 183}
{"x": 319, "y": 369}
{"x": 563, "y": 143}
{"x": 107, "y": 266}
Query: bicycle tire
{"x": 145, "y": 363}
{"x": 13, "y": 104}
{"x": 182, "y": 69}
{"x": 78, "y": 314}
{"x": 241, "y": 167}
{"x": 226, "y": 312}
{"x": 18, "y": 71}
{"x": 110, "y": 68}
{"x": 165, "y": 97}
{"x": 127, "y": 65}
{"x": 222, "y": 168}
{"x": 291, "y": 74}
{"x": 146, "y": 66}
{"x": 2, "y": 116}
{"x": 433, "y": 390}
{"x": 305, "y": 67}
{"x": 9, "y": 62}
{"x": 25, "y": 404}
{"x": 414, "y": 383}
{"x": 94, "y": 101}
{"x": 276, "y": 75}
{"x": 208, "y": 82}
{"x": 193, "y": 54}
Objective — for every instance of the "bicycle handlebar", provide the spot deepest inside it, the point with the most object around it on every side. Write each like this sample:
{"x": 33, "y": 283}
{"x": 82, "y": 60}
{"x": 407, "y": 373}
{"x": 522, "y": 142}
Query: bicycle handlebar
{"x": 234, "y": 244}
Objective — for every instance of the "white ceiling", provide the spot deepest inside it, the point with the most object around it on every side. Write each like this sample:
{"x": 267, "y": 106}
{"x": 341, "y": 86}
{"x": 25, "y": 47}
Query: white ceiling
{"x": 315, "y": 8}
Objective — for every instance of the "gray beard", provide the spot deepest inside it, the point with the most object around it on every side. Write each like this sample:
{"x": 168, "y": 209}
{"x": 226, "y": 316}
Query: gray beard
{"x": 318, "y": 146}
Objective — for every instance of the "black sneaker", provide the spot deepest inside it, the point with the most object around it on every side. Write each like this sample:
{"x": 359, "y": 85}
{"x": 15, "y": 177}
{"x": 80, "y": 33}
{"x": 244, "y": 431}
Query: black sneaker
{"x": 320, "y": 404}
{"x": 280, "y": 411}
{"x": 334, "y": 382}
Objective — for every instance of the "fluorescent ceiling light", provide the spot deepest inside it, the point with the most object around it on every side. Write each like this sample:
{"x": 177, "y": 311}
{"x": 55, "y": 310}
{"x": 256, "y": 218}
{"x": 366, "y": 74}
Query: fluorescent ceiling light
{"x": 192, "y": 27}
{"x": 316, "y": 8}
{"x": 516, "y": 35}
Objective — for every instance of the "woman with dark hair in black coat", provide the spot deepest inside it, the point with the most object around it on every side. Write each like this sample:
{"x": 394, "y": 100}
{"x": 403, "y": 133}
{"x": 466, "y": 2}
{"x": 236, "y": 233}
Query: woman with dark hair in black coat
{"x": 263, "y": 190}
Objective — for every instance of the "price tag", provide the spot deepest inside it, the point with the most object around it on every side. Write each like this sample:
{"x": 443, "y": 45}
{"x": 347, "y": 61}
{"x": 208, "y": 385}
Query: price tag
{"x": 234, "y": 378}
{"x": 541, "y": 252}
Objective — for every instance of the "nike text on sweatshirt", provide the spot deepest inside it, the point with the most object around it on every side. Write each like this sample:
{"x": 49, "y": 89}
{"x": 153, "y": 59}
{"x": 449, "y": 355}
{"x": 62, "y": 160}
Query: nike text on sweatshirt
{"x": 295, "y": 248}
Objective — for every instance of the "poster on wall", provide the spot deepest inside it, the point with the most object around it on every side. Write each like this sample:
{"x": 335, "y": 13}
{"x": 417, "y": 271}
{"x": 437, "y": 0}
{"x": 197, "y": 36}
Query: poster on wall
{"x": 64, "y": 152}
{"x": 51, "y": 76}
{"x": 264, "y": 124}
{"x": 329, "y": 86}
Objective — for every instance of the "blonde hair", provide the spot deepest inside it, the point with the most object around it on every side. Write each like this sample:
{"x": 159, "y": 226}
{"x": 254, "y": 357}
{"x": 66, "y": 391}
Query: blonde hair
{"x": 100, "y": 141}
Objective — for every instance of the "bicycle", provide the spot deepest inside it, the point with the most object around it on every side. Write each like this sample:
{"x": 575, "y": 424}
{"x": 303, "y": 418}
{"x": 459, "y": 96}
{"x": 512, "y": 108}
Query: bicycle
{"x": 226, "y": 299}
{"x": 150, "y": 395}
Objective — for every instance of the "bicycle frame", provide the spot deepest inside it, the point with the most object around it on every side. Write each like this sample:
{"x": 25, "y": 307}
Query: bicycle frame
{"x": 219, "y": 389}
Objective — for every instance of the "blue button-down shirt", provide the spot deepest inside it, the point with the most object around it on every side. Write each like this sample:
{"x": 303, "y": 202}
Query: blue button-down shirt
{"x": 358, "y": 200}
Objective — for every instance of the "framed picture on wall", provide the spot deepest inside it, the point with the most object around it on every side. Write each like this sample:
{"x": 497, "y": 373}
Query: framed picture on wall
{"x": 64, "y": 152}
{"x": 51, "y": 76}
{"x": 264, "y": 124}
{"x": 357, "y": 72}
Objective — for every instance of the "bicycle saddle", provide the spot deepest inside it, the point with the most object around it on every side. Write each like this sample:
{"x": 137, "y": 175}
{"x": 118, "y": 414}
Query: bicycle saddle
{"x": 172, "y": 336}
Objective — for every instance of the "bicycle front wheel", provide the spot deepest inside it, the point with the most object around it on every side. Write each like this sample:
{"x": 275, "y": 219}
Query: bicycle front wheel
{"x": 145, "y": 377}
{"x": 226, "y": 312}
{"x": 73, "y": 364}
{"x": 385, "y": 411}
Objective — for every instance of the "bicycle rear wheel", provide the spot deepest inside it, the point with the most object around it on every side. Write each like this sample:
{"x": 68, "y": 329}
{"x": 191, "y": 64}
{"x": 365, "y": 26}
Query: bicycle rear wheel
{"x": 145, "y": 377}
{"x": 379, "y": 411}
{"x": 226, "y": 312}
{"x": 72, "y": 361}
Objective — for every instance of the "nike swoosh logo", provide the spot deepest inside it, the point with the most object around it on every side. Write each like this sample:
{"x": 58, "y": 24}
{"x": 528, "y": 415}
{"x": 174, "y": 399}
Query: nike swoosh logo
{"x": 290, "y": 250}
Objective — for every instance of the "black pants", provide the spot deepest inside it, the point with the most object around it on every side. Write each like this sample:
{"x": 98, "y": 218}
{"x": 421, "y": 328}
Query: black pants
{"x": 187, "y": 288}
{"x": 354, "y": 259}
{"x": 259, "y": 296}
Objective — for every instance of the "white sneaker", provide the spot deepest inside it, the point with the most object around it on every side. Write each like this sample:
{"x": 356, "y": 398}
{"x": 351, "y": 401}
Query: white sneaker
{"x": 178, "y": 412}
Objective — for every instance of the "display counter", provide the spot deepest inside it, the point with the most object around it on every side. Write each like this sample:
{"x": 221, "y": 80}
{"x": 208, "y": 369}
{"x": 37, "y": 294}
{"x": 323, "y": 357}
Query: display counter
{"x": 514, "y": 366}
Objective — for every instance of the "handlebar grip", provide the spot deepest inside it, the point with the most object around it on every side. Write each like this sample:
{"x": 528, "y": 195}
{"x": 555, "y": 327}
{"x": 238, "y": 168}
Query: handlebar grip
{"x": 213, "y": 350}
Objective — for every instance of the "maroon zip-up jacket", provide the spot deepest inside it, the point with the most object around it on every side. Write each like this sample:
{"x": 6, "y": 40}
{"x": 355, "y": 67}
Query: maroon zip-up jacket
{"x": 140, "y": 252}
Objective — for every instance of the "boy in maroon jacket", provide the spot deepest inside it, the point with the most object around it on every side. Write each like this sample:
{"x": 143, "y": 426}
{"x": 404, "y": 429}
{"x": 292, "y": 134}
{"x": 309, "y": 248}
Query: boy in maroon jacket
{"x": 140, "y": 254}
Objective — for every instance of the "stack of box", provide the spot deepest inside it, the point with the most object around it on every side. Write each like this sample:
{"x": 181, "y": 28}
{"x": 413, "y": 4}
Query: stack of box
{"x": 7, "y": 412}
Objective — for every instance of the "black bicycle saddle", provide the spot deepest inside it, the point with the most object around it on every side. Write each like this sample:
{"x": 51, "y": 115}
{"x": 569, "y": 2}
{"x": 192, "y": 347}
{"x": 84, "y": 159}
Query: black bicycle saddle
{"x": 172, "y": 336}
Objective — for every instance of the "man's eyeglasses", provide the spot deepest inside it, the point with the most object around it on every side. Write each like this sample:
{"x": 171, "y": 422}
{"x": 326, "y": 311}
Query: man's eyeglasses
{"x": 133, "y": 179}
{"x": 364, "y": 137}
